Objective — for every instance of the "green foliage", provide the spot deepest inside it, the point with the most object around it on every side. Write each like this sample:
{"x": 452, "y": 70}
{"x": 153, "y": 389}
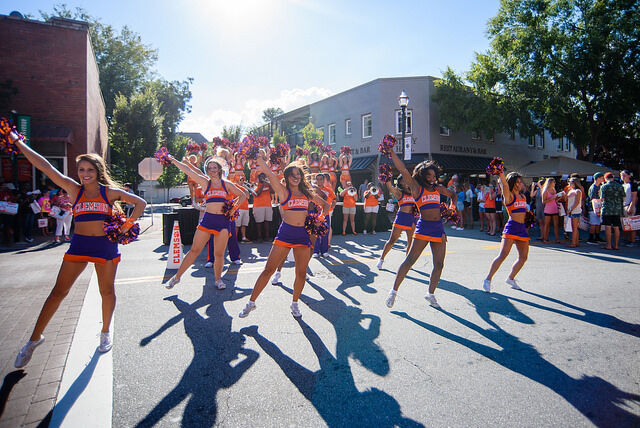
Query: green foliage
{"x": 271, "y": 113}
{"x": 173, "y": 103}
{"x": 278, "y": 139}
{"x": 569, "y": 66}
{"x": 134, "y": 133}
{"x": 232, "y": 132}
{"x": 310, "y": 133}
{"x": 173, "y": 176}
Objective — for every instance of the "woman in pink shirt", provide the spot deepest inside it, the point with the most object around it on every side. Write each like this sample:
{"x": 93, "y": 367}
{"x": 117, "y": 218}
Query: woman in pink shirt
{"x": 550, "y": 201}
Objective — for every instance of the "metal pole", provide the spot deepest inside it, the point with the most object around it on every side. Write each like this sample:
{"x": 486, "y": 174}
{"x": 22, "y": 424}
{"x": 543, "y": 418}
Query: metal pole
{"x": 404, "y": 124}
{"x": 151, "y": 192}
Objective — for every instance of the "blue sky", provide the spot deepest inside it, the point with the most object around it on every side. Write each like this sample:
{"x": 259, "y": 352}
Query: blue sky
{"x": 246, "y": 55}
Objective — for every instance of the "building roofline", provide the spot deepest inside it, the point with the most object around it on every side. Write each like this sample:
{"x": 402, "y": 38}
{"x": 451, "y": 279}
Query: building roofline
{"x": 55, "y": 21}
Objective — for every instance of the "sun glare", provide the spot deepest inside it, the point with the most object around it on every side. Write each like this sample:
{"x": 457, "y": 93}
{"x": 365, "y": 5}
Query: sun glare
{"x": 237, "y": 14}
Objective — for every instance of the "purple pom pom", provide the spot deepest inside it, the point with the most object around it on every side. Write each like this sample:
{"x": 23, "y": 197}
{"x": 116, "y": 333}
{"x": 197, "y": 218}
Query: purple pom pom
{"x": 496, "y": 166}
{"x": 386, "y": 145}
{"x": 386, "y": 173}
{"x": 162, "y": 156}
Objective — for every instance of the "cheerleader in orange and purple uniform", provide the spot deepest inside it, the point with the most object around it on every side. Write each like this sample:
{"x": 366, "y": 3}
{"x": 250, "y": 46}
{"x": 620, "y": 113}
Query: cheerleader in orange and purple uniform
{"x": 345, "y": 166}
{"x": 295, "y": 196}
{"x": 405, "y": 220}
{"x": 94, "y": 198}
{"x": 429, "y": 230}
{"x": 314, "y": 163}
{"x": 514, "y": 232}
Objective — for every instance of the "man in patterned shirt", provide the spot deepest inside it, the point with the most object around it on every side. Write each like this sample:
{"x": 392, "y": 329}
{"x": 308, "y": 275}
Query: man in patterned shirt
{"x": 612, "y": 195}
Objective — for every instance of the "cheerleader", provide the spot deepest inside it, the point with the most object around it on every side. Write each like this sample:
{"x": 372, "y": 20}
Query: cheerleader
{"x": 333, "y": 167}
{"x": 345, "y": 166}
{"x": 314, "y": 163}
{"x": 324, "y": 164}
{"x": 214, "y": 221}
{"x": 405, "y": 220}
{"x": 94, "y": 198}
{"x": 321, "y": 247}
{"x": 295, "y": 196}
{"x": 515, "y": 231}
{"x": 426, "y": 191}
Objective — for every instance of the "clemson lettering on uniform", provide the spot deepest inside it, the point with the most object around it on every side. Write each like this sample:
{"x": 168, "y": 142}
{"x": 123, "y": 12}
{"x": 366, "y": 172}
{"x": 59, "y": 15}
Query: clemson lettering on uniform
{"x": 84, "y": 207}
{"x": 295, "y": 203}
{"x": 214, "y": 193}
{"x": 430, "y": 198}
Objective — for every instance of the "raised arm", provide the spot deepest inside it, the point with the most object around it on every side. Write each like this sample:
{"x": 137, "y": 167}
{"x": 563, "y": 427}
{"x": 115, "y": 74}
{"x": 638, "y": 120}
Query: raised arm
{"x": 280, "y": 190}
{"x": 240, "y": 193}
{"x": 406, "y": 175}
{"x": 196, "y": 176}
{"x": 37, "y": 160}
{"x": 506, "y": 193}
{"x": 394, "y": 191}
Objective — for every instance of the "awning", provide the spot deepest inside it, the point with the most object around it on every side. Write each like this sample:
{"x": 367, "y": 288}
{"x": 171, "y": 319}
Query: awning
{"x": 560, "y": 165}
{"x": 363, "y": 162}
{"x": 453, "y": 163}
{"x": 51, "y": 133}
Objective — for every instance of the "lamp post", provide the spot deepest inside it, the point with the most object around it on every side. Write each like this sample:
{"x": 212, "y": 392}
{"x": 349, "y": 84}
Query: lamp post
{"x": 403, "y": 101}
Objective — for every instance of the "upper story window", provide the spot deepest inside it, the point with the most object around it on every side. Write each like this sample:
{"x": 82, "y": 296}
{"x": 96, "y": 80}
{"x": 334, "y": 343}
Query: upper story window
{"x": 367, "y": 126}
{"x": 475, "y": 136}
{"x": 445, "y": 131}
{"x": 408, "y": 121}
{"x": 567, "y": 145}
{"x": 332, "y": 133}
{"x": 540, "y": 141}
{"x": 531, "y": 142}
{"x": 560, "y": 144}
{"x": 347, "y": 127}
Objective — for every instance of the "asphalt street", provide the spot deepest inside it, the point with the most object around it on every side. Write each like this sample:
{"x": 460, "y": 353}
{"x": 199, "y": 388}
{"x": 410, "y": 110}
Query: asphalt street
{"x": 563, "y": 352}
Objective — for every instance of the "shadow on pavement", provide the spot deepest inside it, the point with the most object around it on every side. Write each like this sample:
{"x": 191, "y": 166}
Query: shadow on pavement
{"x": 10, "y": 380}
{"x": 352, "y": 274}
{"x": 215, "y": 347}
{"x": 331, "y": 389}
{"x": 597, "y": 399}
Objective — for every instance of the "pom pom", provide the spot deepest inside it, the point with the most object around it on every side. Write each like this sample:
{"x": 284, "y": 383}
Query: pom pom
{"x": 448, "y": 214}
{"x": 162, "y": 156}
{"x": 386, "y": 145}
{"x": 263, "y": 141}
{"x": 227, "y": 207}
{"x": 112, "y": 226}
{"x": 299, "y": 152}
{"x": 315, "y": 224}
{"x": 203, "y": 146}
{"x": 496, "y": 166}
{"x": 530, "y": 219}
{"x": 193, "y": 147}
{"x": 345, "y": 150}
{"x": 249, "y": 147}
{"x": 283, "y": 150}
{"x": 386, "y": 173}
{"x": 6, "y": 143}
{"x": 415, "y": 211}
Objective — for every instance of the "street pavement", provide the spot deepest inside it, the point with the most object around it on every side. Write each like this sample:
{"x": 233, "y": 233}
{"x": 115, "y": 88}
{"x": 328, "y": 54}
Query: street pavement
{"x": 564, "y": 352}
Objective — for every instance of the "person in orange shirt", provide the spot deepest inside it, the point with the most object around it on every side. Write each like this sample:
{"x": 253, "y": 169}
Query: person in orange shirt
{"x": 262, "y": 210}
{"x": 490, "y": 209}
{"x": 243, "y": 212}
{"x": 371, "y": 207}
{"x": 314, "y": 163}
{"x": 323, "y": 243}
{"x": 349, "y": 196}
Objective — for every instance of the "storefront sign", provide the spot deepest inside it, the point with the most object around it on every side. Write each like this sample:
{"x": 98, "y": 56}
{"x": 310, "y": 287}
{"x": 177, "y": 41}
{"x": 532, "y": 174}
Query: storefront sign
{"x": 23, "y": 124}
{"x": 463, "y": 149}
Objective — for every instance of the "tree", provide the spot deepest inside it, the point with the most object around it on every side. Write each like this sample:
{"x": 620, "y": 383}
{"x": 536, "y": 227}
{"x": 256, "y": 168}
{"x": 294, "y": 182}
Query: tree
{"x": 134, "y": 133}
{"x": 124, "y": 62}
{"x": 232, "y": 132}
{"x": 269, "y": 114}
{"x": 173, "y": 176}
{"x": 569, "y": 66}
{"x": 173, "y": 103}
{"x": 309, "y": 134}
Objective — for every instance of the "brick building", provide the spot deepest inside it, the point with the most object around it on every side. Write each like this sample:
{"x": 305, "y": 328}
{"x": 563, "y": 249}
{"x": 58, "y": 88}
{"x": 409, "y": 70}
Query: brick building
{"x": 52, "y": 67}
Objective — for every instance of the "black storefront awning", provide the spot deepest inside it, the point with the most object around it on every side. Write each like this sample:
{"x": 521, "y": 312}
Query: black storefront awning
{"x": 364, "y": 162}
{"x": 453, "y": 163}
{"x": 51, "y": 133}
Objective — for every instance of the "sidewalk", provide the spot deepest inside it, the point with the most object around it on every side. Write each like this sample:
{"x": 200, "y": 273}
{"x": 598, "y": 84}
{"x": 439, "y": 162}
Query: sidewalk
{"x": 28, "y": 395}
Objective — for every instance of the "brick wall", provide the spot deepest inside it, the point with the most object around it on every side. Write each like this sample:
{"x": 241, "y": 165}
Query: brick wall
{"x": 52, "y": 66}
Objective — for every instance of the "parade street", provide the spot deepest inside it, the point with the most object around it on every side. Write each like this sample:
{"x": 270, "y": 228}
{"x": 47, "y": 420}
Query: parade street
{"x": 562, "y": 352}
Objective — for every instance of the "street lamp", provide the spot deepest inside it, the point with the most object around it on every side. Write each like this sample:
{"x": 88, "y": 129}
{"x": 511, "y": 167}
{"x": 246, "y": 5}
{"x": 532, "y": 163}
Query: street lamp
{"x": 403, "y": 102}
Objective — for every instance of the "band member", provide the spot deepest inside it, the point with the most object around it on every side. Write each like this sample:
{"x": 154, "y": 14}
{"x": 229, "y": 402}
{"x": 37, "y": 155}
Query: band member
{"x": 349, "y": 196}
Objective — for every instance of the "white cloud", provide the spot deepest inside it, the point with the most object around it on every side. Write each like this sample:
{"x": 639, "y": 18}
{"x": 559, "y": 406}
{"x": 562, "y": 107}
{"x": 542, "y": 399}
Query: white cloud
{"x": 210, "y": 123}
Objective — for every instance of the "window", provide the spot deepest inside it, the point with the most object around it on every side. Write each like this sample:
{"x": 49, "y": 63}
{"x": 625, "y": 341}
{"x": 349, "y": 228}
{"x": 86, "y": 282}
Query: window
{"x": 347, "y": 127}
{"x": 560, "y": 144}
{"x": 475, "y": 136}
{"x": 445, "y": 131}
{"x": 408, "y": 121}
{"x": 367, "y": 130}
{"x": 540, "y": 141}
{"x": 321, "y": 129}
{"x": 332, "y": 133}
{"x": 531, "y": 142}
{"x": 567, "y": 145}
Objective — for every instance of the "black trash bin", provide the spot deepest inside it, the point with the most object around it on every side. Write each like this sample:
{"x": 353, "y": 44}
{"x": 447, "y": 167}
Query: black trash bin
{"x": 167, "y": 226}
{"x": 188, "y": 219}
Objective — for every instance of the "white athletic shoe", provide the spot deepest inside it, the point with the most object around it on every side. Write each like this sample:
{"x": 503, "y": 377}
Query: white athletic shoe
{"x": 105, "y": 342}
{"x": 374, "y": 232}
{"x": 237, "y": 262}
{"x": 24, "y": 356}
{"x": 315, "y": 255}
{"x": 172, "y": 282}
{"x": 432, "y": 301}
{"x": 276, "y": 278}
{"x": 487, "y": 286}
{"x": 379, "y": 265}
{"x": 248, "y": 308}
{"x": 513, "y": 284}
{"x": 208, "y": 264}
{"x": 364, "y": 232}
{"x": 295, "y": 310}
{"x": 391, "y": 298}
{"x": 220, "y": 285}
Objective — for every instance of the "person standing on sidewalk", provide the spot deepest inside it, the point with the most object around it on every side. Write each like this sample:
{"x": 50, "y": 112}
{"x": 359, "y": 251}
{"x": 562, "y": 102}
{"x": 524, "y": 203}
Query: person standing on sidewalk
{"x": 594, "y": 206}
{"x": 630, "y": 203}
{"x": 612, "y": 195}
{"x": 94, "y": 198}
